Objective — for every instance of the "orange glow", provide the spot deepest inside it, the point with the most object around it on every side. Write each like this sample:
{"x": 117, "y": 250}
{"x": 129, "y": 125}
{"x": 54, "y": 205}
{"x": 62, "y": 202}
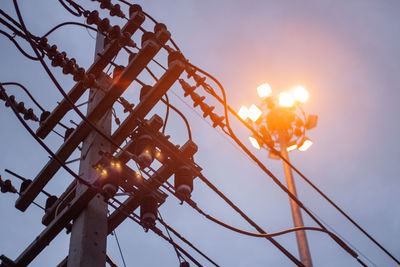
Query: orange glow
{"x": 104, "y": 172}
{"x": 286, "y": 100}
{"x": 254, "y": 142}
{"x": 116, "y": 164}
{"x": 305, "y": 144}
{"x": 243, "y": 113}
{"x": 264, "y": 90}
{"x": 254, "y": 113}
{"x": 300, "y": 94}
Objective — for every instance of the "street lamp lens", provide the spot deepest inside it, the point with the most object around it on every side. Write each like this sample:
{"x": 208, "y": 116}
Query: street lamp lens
{"x": 286, "y": 100}
{"x": 300, "y": 94}
{"x": 264, "y": 90}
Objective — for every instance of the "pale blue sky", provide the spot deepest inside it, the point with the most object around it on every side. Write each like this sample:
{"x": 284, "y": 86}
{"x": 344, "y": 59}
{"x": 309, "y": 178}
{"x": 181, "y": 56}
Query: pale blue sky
{"x": 345, "y": 52}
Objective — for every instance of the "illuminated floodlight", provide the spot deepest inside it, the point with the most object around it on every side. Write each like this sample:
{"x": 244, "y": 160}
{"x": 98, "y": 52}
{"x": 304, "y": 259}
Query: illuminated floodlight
{"x": 254, "y": 113}
{"x": 264, "y": 90}
{"x": 300, "y": 94}
{"x": 305, "y": 144}
{"x": 291, "y": 146}
{"x": 286, "y": 100}
{"x": 243, "y": 113}
{"x": 254, "y": 142}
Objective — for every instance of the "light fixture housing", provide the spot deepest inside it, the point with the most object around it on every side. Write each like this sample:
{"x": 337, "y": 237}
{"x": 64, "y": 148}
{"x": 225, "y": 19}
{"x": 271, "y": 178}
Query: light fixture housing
{"x": 305, "y": 144}
{"x": 311, "y": 122}
{"x": 264, "y": 90}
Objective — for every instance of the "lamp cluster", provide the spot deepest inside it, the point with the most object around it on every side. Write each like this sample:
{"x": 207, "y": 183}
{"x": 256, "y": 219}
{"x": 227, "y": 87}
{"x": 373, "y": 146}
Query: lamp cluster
{"x": 19, "y": 106}
{"x": 283, "y": 115}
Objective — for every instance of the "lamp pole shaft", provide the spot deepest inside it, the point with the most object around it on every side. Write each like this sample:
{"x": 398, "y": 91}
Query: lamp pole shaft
{"x": 301, "y": 237}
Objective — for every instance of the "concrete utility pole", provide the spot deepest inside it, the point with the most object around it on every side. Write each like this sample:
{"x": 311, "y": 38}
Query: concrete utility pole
{"x": 304, "y": 250}
{"x": 88, "y": 244}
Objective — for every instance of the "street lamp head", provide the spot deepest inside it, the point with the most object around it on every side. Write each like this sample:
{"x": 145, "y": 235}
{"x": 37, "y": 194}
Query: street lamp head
{"x": 286, "y": 100}
{"x": 254, "y": 113}
{"x": 254, "y": 142}
{"x": 305, "y": 144}
{"x": 243, "y": 113}
{"x": 300, "y": 94}
{"x": 264, "y": 90}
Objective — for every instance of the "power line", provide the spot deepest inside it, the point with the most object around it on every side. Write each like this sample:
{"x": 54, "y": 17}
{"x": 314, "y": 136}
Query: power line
{"x": 169, "y": 236}
{"x": 119, "y": 247}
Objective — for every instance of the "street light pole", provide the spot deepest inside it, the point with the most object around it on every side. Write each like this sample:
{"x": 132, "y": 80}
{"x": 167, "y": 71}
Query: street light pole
{"x": 302, "y": 243}
{"x": 280, "y": 119}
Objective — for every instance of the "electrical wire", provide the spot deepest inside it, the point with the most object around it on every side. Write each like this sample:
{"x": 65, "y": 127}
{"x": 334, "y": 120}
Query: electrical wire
{"x": 186, "y": 241}
{"x": 119, "y": 247}
{"x": 18, "y": 46}
{"x": 69, "y": 23}
{"x": 240, "y": 231}
{"x": 180, "y": 258}
{"x": 182, "y": 116}
{"x": 77, "y": 12}
{"x": 189, "y": 131}
{"x": 166, "y": 113}
{"x": 156, "y": 230}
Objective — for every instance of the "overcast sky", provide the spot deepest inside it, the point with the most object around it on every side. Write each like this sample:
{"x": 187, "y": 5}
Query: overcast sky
{"x": 346, "y": 53}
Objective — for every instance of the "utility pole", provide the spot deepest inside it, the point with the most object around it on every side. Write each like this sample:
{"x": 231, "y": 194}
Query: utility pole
{"x": 302, "y": 243}
{"x": 88, "y": 241}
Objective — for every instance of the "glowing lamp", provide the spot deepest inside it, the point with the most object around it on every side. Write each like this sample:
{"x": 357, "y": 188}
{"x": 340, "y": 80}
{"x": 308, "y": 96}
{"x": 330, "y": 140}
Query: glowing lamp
{"x": 254, "y": 112}
{"x": 243, "y": 113}
{"x": 254, "y": 142}
{"x": 300, "y": 94}
{"x": 305, "y": 144}
{"x": 286, "y": 100}
{"x": 264, "y": 90}
{"x": 291, "y": 146}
